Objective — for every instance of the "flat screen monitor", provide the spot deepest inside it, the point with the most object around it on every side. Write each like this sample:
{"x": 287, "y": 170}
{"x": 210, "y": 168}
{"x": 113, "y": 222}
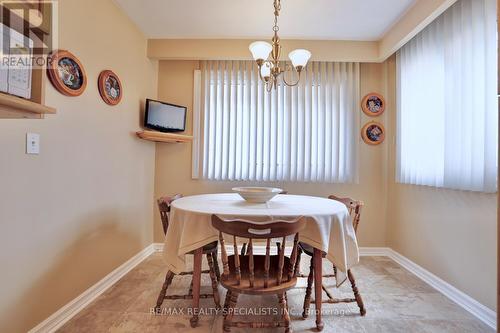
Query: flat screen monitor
{"x": 165, "y": 117}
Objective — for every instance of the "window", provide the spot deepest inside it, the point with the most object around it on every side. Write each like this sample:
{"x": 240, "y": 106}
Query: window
{"x": 447, "y": 104}
{"x": 306, "y": 133}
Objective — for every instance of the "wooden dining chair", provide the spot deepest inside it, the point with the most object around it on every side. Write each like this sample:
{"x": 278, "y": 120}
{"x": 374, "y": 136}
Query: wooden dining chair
{"x": 164, "y": 206}
{"x": 252, "y": 274}
{"x": 209, "y": 250}
{"x": 354, "y": 207}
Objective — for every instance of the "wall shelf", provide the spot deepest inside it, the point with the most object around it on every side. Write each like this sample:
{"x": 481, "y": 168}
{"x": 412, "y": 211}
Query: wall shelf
{"x": 11, "y": 106}
{"x": 164, "y": 137}
{"x": 17, "y": 107}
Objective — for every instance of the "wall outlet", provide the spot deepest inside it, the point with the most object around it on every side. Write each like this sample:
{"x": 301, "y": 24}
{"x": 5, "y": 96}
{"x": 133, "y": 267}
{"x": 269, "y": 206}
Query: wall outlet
{"x": 32, "y": 143}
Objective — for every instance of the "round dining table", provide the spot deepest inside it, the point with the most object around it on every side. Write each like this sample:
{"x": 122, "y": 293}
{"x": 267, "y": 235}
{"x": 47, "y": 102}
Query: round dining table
{"x": 328, "y": 230}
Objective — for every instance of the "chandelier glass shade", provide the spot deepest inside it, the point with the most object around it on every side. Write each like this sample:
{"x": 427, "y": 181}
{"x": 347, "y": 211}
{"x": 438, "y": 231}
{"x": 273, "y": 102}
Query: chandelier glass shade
{"x": 268, "y": 55}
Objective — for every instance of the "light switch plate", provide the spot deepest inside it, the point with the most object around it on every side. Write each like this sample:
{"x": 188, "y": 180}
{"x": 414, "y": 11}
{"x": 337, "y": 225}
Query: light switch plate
{"x": 32, "y": 143}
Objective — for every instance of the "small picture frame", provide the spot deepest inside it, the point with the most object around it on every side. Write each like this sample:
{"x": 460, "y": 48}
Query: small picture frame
{"x": 110, "y": 87}
{"x": 373, "y": 133}
{"x": 373, "y": 104}
{"x": 66, "y": 73}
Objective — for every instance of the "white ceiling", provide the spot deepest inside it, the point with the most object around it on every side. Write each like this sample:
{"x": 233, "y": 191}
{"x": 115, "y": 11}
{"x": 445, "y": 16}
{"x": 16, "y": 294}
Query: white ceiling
{"x": 299, "y": 19}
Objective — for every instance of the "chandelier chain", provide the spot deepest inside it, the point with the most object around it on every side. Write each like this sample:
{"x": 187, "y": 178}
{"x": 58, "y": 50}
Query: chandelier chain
{"x": 277, "y": 8}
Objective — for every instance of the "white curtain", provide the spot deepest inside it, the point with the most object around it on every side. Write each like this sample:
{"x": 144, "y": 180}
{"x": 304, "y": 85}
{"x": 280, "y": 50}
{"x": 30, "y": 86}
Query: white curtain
{"x": 447, "y": 104}
{"x": 307, "y": 133}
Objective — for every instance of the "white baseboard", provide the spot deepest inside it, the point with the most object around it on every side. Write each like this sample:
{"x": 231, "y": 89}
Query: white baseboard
{"x": 158, "y": 247}
{"x": 374, "y": 251}
{"x": 483, "y": 313}
{"x": 59, "y": 318}
{"x": 260, "y": 249}
{"x": 68, "y": 311}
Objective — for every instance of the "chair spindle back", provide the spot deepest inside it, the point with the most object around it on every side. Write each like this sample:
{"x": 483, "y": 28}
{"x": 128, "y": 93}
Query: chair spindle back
{"x": 164, "y": 204}
{"x": 250, "y": 231}
{"x": 353, "y": 206}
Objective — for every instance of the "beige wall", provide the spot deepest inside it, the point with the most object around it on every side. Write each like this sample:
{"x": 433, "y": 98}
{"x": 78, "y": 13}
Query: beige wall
{"x": 81, "y": 208}
{"x": 450, "y": 233}
{"x": 173, "y": 162}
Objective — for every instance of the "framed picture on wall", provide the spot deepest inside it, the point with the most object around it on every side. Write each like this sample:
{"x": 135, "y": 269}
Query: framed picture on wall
{"x": 373, "y": 133}
{"x": 66, "y": 73}
{"x": 110, "y": 87}
{"x": 373, "y": 104}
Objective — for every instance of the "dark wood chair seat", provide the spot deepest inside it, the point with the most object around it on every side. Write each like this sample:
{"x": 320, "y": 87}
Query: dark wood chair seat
{"x": 231, "y": 281}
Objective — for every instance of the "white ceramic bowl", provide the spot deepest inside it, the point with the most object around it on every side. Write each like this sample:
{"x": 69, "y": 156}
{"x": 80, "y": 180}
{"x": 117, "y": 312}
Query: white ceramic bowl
{"x": 257, "y": 194}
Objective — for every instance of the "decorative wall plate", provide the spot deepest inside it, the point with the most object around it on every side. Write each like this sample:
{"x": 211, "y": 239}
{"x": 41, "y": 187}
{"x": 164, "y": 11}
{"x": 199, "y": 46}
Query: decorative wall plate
{"x": 110, "y": 87}
{"x": 66, "y": 73}
{"x": 373, "y": 104}
{"x": 373, "y": 133}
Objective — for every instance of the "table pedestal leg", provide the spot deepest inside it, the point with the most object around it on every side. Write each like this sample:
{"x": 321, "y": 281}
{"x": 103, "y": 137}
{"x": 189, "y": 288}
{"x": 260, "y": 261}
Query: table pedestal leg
{"x": 318, "y": 283}
{"x": 198, "y": 254}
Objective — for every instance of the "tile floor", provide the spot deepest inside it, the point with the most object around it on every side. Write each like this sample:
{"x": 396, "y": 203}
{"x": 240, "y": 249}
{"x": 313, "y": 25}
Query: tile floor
{"x": 396, "y": 301}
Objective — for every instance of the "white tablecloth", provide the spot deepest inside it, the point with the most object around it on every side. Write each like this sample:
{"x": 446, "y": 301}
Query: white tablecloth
{"x": 328, "y": 227}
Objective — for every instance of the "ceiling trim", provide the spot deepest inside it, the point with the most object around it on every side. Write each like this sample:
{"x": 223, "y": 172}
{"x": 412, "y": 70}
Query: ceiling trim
{"x": 415, "y": 20}
{"x": 237, "y": 49}
{"x": 412, "y": 22}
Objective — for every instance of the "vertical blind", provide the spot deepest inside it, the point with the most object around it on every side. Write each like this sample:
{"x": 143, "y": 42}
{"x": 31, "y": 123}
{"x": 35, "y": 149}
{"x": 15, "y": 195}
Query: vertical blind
{"x": 305, "y": 133}
{"x": 447, "y": 104}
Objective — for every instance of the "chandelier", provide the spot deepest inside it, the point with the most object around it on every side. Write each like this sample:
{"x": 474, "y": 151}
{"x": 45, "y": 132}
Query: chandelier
{"x": 269, "y": 69}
